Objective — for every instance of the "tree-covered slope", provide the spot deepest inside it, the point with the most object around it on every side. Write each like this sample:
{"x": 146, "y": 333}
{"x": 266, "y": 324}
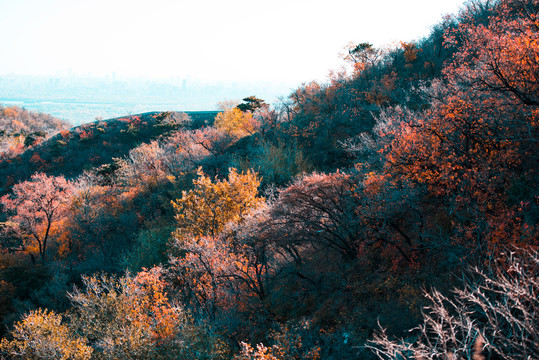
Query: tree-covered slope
{"x": 324, "y": 227}
{"x": 71, "y": 151}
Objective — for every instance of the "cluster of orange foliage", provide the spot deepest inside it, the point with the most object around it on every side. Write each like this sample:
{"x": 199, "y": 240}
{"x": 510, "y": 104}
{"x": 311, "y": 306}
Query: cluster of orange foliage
{"x": 479, "y": 134}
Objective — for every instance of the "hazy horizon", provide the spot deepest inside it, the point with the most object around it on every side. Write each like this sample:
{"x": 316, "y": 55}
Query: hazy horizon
{"x": 222, "y": 50}
{"x": 293, "y": 41}
{"x": 83, "y": 99}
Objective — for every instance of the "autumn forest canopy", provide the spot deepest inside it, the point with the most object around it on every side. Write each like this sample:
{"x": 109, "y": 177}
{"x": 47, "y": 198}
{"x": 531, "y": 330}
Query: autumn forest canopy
{"x": 388, "y": 213}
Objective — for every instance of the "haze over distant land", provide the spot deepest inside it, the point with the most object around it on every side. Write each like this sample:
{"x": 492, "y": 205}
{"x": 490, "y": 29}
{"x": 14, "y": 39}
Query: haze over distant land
{"x": 81, "y": 60}
{"x": 83, "y": 99}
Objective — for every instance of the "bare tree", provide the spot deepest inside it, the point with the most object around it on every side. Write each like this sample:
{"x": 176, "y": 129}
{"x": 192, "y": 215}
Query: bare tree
{"x": 493, "y": 316}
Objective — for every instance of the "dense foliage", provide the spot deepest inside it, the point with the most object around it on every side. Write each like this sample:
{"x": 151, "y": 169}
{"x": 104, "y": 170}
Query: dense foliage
{"x": 308, "y": 230}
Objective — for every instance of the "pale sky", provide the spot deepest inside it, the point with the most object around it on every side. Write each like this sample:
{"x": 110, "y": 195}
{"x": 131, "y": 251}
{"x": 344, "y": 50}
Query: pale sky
{"x": 222, "y": 40}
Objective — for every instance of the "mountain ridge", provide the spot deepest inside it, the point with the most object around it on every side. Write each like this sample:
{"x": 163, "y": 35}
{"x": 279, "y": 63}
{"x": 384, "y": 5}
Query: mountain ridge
{"x": 94, "y": 144}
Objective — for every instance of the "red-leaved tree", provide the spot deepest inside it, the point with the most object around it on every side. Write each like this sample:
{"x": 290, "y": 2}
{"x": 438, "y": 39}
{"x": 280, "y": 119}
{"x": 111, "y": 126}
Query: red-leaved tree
{"x": 37, "y": 206}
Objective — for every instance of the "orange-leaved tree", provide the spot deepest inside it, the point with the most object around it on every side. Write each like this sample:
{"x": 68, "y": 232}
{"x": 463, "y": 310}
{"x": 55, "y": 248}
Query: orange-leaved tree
{"x": 501, "y": 55}
{"x": 128, "y": 317}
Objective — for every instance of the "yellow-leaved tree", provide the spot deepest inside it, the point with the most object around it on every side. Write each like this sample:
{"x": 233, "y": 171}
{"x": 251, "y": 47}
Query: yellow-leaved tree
{"x": 112, "y": 318}
{"x": 206, "y": 209}
{"x": 42, "y": 335}
{"x": 207, "y": 261}
{"x": 235, "y": 122}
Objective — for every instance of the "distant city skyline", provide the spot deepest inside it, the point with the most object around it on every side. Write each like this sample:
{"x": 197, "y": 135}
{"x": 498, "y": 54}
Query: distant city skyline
{"x": 283, "y": 41}
{"x": 83, "y": 99}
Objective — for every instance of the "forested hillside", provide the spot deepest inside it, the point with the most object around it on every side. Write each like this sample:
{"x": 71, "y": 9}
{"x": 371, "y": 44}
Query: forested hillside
{"x": 68, "y": 152}
{"x": 389, "y": 213}
{"x": 20, "y": 129}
